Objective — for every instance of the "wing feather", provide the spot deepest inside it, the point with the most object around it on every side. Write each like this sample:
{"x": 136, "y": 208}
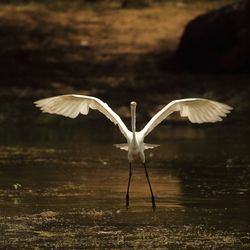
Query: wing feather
{"x": 73, "y": 105}
{"x": 197, "y": 110}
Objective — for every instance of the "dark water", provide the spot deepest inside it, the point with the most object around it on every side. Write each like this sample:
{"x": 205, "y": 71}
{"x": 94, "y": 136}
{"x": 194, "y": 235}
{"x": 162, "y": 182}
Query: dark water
{"x": 73, "y": 184}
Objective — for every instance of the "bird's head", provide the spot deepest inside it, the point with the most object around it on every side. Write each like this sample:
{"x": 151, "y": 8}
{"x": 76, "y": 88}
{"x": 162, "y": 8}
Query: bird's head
{"x": 133, "y": 104}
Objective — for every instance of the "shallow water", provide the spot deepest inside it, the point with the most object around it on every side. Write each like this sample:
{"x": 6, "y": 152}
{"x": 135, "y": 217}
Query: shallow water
{"x": 73, "y": 184}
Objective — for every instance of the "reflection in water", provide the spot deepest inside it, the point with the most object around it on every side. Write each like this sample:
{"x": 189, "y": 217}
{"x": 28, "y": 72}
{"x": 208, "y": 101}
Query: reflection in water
{"x": 73, "y": 183}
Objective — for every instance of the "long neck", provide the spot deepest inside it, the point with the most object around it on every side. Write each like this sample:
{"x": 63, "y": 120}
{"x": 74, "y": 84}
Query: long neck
{"x": 133, "y": 121}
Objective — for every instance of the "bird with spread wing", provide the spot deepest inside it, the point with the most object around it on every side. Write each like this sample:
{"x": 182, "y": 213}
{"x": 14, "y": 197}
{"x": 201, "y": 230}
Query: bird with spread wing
{"x": 197, "y": 110}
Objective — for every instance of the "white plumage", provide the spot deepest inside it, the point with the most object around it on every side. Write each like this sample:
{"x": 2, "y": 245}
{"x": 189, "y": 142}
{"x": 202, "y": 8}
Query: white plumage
{"x": 73, "y": 105}
{"x": 197, "y": 110}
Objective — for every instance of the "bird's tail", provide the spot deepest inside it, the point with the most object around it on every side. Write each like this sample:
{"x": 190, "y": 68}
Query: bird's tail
{"x": 150, "y": 146}
{"x": 124, "y": 146}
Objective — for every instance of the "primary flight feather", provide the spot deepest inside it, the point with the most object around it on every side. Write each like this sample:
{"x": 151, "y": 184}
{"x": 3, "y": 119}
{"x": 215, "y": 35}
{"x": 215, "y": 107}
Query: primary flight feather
{"x": 197, "y": 110}
{"x": 73, "y": 105}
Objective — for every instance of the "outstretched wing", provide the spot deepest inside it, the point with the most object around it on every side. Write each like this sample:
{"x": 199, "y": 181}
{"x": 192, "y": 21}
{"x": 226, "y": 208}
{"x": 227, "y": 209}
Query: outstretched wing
{"x": 73, "y": 105}
{"x": 197, "y": 110}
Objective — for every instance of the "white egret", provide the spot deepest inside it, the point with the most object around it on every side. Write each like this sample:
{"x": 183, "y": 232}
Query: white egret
{"x": 197, "y": 110}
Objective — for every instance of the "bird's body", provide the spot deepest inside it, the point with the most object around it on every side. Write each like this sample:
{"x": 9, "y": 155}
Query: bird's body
{"x": 136, "y": 148}
{"x": 198, "y": 110}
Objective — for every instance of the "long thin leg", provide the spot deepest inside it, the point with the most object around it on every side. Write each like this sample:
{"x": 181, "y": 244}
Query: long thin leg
{"x": 152, "y": 195}
{"x": 129, "y": 179}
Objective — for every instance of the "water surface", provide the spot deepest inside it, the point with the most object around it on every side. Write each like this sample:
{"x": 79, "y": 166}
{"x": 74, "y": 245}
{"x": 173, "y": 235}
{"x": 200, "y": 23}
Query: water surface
{"x": 73, "y": 183}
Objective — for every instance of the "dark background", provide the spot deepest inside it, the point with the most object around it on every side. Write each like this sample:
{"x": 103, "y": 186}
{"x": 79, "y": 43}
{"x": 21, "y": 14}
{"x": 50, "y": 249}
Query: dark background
{"x": 149, "y": 51}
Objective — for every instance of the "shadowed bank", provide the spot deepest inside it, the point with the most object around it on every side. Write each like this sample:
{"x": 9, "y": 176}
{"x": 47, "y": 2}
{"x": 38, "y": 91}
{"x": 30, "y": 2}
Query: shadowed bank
{"x": 107, "y": 52}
